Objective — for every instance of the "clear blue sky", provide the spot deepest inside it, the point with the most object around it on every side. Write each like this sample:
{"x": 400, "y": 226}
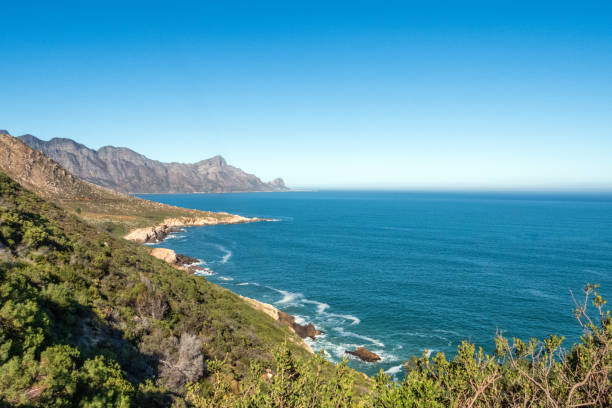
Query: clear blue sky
{"x": 325, "y": 94}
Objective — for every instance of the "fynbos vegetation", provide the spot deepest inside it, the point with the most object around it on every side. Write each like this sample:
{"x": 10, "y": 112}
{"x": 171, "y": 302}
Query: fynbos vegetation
{"x": 90, "y": 320}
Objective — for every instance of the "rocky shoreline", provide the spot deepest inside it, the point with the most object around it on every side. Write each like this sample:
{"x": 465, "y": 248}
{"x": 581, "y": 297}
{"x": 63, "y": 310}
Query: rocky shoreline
{"x": 179, "y": 261}
{"x": 189, "y": 264}
{"x": 304, "y": 331}
{"x": 159, "y": 232}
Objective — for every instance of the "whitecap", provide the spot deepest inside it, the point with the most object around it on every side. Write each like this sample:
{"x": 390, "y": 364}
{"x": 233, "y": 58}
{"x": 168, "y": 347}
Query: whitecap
{"x": 300, "y": 319}
{"x": 288, "y": 297}
{"x": 205, "y": 272}
{"x": 198, "y": 263}
{"x": 321, "y": 307}
{"x": 242, "y": 284}
{"x": 355, "y": 319}
{"x": 394, "y": 370}
{"x": 175, "y": 236}
{"x": 359, "y": 336}
{"x": 227, "y": 254}
{"x": 225, "y": 278}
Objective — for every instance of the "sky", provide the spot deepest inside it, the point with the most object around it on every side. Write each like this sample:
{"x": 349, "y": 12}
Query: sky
{"x": 330, "y": 94}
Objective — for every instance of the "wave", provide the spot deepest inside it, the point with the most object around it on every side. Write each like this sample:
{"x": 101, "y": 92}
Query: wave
{"x": 247, "y": 284}
{"x": 359, "y": 336}
{"x": 227, "y": 254}
{"x": 298, "y": 299}
{"x": 355, "y": 319}
{"x": 288, "y": 297}
{"x": 198, "y": 263}
{"x": 299, "y": 319}
{"x": 174, "y": 236}
{"x": 205, "y": 272}
{"x": 321, "y": 307}
{"x": 394, "y": 370}
{"x": 225, "y": 278}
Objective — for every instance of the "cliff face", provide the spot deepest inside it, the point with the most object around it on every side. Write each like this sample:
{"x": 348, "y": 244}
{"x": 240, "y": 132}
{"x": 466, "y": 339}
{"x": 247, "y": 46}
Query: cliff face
{"x": 124, "y": 170}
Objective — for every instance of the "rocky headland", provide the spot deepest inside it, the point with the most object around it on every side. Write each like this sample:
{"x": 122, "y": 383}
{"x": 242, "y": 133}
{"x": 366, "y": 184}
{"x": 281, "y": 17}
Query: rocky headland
{"x": 179, "y": 261}
{"x": 304, "y": 331}
{"x": 159, "y": 232}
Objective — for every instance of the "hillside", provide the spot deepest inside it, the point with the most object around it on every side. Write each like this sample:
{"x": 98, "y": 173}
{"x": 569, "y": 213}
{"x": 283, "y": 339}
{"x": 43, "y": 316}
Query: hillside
{"x": 122, "y": 169}
{"x": 91, "y": 317}
{"x": 90, "y": 320}
{"x": 115, "y": 211}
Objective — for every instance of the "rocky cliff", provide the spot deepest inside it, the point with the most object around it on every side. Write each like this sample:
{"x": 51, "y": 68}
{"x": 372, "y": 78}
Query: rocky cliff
{"x": 124, "y": 170}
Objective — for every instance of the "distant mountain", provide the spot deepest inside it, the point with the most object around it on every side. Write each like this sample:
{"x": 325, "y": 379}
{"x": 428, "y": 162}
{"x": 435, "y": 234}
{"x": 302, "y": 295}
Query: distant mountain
{"x": 97, "y": 205}
{"x": 124, "y": 170}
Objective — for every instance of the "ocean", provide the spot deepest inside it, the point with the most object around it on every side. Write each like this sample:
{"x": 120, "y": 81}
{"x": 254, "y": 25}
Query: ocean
{"x": 403, "y": 273}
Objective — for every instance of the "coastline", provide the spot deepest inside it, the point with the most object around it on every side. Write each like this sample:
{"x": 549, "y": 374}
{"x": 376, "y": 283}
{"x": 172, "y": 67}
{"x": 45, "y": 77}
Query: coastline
{"x": 277, "y": 315}
{"x": 160, "y": 231}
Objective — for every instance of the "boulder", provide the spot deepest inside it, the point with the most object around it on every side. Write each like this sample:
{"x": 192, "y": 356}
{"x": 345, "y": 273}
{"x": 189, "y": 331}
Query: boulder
{"x": 303, "y": 331}
{"x": 165, "y": 254}
{"x": 186, "y": 260}
{"x": 364, "y": 354}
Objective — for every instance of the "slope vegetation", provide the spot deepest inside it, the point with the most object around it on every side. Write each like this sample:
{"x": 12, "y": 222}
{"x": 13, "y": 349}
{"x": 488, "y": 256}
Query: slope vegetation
{"x": 87, "y": 319}
{"x": 117, "y": 212}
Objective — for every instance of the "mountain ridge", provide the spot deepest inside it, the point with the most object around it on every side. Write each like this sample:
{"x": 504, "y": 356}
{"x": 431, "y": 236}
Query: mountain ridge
{"x": 125, "y": 170}
{"x": 116, "y": 211}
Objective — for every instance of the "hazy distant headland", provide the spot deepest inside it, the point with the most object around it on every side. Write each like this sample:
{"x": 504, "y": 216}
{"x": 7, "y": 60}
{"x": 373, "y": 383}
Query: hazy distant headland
{"x": 125, "y": 170}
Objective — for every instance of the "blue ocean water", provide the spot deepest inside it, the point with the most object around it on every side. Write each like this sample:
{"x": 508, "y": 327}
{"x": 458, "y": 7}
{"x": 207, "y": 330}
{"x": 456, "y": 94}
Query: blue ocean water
{"x": 401, "y": 273}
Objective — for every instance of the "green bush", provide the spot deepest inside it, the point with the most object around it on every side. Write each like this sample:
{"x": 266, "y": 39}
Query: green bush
{"x": 89, "y": 320}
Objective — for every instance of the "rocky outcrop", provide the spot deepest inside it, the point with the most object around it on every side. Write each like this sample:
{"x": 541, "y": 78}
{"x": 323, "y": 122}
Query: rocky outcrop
{"x": 364, "y": 354}
{"x": 286, "y": 319}
{"x": 166, "y": 255}
{"x": 303, "y": 331}
{"x": 124, "y": 170}
{"x": 179, "y": 261}
{"x": 186, "y": 260}
{"x": 159, "y": 232}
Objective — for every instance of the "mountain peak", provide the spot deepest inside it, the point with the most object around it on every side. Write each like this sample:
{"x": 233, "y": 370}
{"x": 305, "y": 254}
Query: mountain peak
{"x": 125, "y": 170}
{"x": 219, "y": 160}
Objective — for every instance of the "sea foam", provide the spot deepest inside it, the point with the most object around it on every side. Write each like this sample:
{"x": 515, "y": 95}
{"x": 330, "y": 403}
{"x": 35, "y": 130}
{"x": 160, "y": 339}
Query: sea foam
{"x": 394, "y": 370}
{"x": 227, "y": 254}
{"x": 359, "y": 336}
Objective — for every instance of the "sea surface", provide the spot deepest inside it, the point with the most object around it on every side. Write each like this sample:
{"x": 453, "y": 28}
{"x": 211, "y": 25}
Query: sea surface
{"x": 406, "y": 273}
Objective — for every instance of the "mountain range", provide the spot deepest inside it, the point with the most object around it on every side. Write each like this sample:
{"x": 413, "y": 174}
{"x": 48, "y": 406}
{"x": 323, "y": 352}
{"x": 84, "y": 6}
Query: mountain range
{"x": 125, "y": 170}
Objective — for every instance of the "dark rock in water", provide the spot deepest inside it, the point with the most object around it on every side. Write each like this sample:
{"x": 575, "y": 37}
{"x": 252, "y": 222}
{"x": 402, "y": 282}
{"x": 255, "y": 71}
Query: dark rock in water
{"x": 364, "y": 354}
{"x": 308, "y": 330}
{"x": 186, "y": 260}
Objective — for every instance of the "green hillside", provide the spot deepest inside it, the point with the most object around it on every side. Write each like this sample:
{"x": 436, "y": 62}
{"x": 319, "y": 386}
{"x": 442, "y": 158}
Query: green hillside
{"x": 90, "y": 320}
